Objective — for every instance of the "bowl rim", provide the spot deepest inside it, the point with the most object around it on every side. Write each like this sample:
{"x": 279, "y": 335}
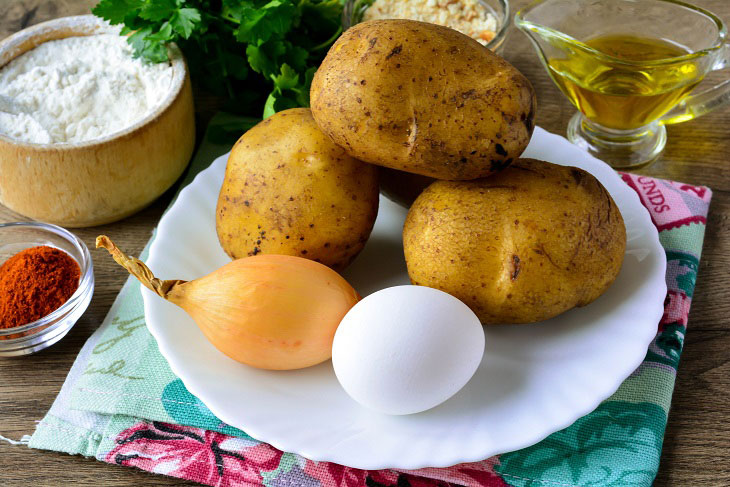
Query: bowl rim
{"x": 499, "y": 36}
{"x": 505, "y": 23}
{"x": 85, "y": 283}
{"x": 83, "y": 26}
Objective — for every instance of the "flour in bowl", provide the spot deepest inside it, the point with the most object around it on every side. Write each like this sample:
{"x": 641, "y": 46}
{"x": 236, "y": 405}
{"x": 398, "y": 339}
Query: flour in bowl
{"x": 78, "y": 89}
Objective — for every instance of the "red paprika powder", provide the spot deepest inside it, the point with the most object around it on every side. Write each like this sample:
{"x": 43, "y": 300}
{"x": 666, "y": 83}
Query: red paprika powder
{"x": 34, "y": 283}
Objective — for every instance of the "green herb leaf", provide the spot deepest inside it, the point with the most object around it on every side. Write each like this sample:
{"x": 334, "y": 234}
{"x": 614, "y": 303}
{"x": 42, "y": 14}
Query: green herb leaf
{"x": 264, "y": 58}
{"x": 115, "y": 10}
{"x": 226, "y": 129}
{"x": 287, "y": 80}
{"x": 296, "y": 57}
{"x": 277, "y": 102}
{"x": 303, "y": 98}
{"x": 163, "y": 35}
{"x": 149, "y": 49}
{"x": 157, "y": 10}
{"x": 254, "y": 53}
{"x": 234, "y": 65}
{"x": 259, "y": 25}
{"x": 269, "y": 109}
{"x": 184, "y": 20}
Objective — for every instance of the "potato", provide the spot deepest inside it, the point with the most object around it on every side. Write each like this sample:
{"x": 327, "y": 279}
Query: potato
{"x": 289, "y": 190}
{"x": 402, "y": 187}
{"x": 525, "y": 245}
{"x": 424, "y": 99}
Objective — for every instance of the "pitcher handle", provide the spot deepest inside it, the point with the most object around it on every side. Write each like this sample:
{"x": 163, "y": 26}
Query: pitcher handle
{"x": 697, "y": 105}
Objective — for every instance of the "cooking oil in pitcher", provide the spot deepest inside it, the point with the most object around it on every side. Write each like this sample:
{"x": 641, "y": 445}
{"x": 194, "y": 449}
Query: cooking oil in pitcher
{"x": 625, "y": 96}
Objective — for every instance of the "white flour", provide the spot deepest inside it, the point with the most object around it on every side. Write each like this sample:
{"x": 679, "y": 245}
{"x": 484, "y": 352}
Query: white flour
{"x": 78, "y": 89}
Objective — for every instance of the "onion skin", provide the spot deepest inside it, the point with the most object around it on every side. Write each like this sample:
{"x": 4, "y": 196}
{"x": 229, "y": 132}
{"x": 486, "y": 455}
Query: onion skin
{"x": 275, "y": 312}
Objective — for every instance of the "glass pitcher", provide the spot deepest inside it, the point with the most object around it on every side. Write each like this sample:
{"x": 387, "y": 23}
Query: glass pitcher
{"x": 629, "y": 67}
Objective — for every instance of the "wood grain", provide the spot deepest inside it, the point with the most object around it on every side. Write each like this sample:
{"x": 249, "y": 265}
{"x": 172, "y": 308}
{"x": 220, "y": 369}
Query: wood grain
{"x": 697, "y": 444}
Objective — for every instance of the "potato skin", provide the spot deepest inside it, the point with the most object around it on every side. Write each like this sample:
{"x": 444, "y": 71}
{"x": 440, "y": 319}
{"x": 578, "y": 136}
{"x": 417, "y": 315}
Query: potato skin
{"x": 525, "y": 245}
{"x": 424, "y": 99}
{"x": 289, "y": 190}
{"x": 402, "y": 187}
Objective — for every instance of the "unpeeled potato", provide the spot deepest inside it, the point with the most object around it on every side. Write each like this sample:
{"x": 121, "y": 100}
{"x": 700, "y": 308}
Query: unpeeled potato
{"x": 290, "y": 190}
{"x": 402, "y": 187}
{"x": 524, "y": 245}
{"x": 422, "y": 98}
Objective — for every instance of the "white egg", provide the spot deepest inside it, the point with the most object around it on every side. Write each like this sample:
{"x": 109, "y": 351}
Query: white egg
{"x": 406, "y": 349}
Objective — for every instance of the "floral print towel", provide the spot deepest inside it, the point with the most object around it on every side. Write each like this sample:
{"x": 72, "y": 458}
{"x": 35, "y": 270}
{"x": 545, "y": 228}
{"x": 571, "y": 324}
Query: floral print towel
{"x": 121, "y": 403}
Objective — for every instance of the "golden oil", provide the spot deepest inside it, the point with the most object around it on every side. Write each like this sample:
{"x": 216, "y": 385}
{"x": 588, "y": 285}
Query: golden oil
{"x": 630, "y": 95}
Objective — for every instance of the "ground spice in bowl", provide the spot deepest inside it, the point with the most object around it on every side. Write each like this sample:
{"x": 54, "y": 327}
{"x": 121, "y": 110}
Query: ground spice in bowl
{"x": 34, "y": 283}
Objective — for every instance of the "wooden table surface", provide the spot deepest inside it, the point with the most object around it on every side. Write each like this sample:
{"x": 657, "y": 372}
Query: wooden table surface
{"x": 697, "y": 444}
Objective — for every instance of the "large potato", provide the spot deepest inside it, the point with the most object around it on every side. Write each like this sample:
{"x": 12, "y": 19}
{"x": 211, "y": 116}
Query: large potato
{"x": 422, "y": 98}
{"x": 289, "y": 190}
{"x": 402, "y": 187}
{"x": 525, "y": 245}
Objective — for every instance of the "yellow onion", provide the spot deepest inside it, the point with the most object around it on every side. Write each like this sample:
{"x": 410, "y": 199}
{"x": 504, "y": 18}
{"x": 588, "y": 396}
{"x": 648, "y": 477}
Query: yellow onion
{"x": 274, "y": 312}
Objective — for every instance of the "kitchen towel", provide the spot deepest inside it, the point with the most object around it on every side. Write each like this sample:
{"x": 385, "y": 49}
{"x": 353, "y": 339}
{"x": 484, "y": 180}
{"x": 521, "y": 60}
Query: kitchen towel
{"x": 122, "y": 404}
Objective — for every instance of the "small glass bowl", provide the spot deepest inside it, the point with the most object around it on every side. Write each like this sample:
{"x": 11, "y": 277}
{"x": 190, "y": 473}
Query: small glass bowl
{"x": 42, "y": 333}
{"x": 354, "y": 9}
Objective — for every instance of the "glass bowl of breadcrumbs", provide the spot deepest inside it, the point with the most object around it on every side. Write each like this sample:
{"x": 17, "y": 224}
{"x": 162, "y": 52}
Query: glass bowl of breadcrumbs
{"x": 483, "y": 20}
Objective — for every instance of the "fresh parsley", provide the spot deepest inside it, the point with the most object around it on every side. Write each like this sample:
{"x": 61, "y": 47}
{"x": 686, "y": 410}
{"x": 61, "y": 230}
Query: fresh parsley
{"x": 260, "y": 55}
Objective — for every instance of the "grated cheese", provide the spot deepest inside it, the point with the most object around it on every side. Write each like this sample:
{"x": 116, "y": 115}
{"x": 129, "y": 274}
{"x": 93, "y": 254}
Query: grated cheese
{"x": 467, "y": 16}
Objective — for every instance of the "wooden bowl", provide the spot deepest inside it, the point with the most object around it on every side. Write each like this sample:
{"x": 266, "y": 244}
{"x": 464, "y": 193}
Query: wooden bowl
{"x": 106, "y": 179}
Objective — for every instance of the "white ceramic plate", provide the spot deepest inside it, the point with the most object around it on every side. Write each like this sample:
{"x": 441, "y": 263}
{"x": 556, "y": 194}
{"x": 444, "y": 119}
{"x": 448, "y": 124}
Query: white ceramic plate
{"x": 534, "y": 379}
